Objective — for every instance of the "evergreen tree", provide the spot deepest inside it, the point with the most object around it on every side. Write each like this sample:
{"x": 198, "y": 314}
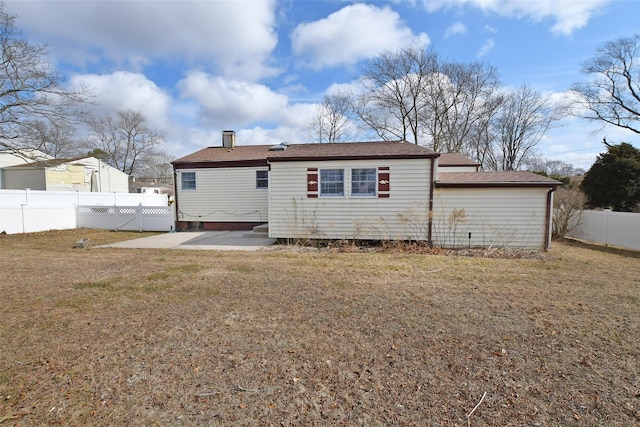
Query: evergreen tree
{"x": 613, "y": 181}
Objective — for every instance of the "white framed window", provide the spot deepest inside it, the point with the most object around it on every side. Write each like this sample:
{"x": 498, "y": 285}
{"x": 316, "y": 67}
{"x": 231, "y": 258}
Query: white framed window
{"x": 262, "y": 179}
{"x": 188, "y": 180}
{"x": 364, "y": 182}
{"x": 331, "y": 182}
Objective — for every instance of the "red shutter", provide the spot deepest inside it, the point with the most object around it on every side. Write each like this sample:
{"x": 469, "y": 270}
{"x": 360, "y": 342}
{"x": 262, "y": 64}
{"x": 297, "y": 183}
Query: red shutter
{"x": 312, "y": 182}
{"x": 384, "y": 186}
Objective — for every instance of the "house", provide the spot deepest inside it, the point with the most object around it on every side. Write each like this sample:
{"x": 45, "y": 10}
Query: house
{"x": 81, "y": 174}
{"x": 389, "y": 190}
{"x": 20, "y": 157}
{"x": 222, "y": 188}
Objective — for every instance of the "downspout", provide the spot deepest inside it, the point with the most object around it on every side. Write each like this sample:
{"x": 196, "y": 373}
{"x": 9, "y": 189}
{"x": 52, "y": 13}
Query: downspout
{"x": 431, "y": 189}
{"x": 547, "y": 222}
{"x": 175, "y": 198}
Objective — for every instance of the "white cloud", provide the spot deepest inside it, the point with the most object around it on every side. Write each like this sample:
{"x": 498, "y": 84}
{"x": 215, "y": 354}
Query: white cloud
{"x": 125, "y": 90}
{"x": 486, "y": 48}
{"x": 353, "y": 33}
{"x": 454, "y": 29}
{"x": 568, "y": 15}
{"x": 489, "y": 29}
{"x": 236, "y": 38}
{"x": 231, "y": 103}
{"x": 578, "y": 141}
{"x": 353, "y": 87}
{"x": 262, "y": 136}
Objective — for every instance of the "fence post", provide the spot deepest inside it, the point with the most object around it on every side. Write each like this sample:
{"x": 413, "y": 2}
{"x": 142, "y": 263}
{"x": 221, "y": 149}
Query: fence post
{"x": 607, "y": 212}
{"x": 139, "y": 215}
{"x": 22, "y": 211}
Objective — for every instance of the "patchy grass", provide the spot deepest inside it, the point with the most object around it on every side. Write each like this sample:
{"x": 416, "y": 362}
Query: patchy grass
{"x": 300, "y": 337}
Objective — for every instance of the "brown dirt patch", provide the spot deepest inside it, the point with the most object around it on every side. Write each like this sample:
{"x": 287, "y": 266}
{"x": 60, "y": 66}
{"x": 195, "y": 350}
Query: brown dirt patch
{"x": 167, "y": 337}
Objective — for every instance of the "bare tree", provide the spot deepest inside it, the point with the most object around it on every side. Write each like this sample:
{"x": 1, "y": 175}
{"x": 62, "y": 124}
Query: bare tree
{"x": 56, "y": 138}
{"x": 461, "y": 99}
{"x": 392, "y": 103}
{"x": 30, "y": 89}
{"x": 567, "y": 210}
{"x": 411, "y": 95}
{"x": 612, "y": 96}
{"x": 332, "y": 122}
{"x": 125, "y": 138}
{"x": 525, "y": 117}
{"x": 156, "y": 167}
{"x": 549, "y": 167}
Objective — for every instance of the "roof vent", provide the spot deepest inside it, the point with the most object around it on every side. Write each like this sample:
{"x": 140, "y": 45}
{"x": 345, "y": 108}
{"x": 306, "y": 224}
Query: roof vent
{"x": 285, "y": 143}
{"x": 278, "y": 147}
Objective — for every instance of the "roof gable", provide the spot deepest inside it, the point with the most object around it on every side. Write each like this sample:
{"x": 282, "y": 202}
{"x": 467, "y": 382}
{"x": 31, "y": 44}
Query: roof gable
{"x": 455, "y": 159}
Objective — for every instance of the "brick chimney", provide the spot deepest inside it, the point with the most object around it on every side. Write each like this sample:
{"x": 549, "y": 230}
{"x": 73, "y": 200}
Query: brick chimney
{"x": 228, "y": 138}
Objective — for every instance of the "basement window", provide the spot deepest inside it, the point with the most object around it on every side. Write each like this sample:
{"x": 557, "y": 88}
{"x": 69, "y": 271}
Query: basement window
{"x": 188, "y": 180}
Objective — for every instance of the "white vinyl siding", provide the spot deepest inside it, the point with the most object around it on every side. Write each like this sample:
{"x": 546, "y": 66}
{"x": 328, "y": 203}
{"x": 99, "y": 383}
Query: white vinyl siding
{"x": 495, "y": 217}
{"x": 447, "y": 169}
{"x": 294, "y": 215}
{"x": 224, "y": 195}
{"x": 19, "y": 179}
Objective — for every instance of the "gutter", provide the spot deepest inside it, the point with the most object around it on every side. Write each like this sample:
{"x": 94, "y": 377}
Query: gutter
{"x": 175, "y": 198}
{"x": 547, "y": 222}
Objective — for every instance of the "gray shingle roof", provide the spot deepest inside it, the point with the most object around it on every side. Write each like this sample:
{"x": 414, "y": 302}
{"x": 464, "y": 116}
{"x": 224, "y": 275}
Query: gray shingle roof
{"x": 352, "y": 150}
{"x": 223, "y": 154}
{"x": 497, "y": 179}
{"x": 345, "y": 150}
{"x": 455, "y": 159}
{"x": 43, "y": 164}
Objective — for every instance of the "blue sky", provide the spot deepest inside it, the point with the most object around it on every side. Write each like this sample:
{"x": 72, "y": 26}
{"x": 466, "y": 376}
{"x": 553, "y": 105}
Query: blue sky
{"x": 195, "y": 68}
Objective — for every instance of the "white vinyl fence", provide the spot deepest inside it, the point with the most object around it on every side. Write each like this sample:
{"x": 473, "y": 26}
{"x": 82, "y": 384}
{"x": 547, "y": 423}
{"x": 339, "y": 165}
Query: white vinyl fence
{"x": 620, "y": 229}
{"x": 126, "y": 218}
{"x": 27, "y": 211}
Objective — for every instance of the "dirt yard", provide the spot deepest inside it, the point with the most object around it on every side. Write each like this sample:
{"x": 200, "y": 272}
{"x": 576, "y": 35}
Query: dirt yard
{"x": 292, "y": 337}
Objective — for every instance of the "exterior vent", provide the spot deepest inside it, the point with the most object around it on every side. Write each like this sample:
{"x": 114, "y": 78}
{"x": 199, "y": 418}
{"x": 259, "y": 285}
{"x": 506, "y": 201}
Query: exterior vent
{"x": 278, "y": 147}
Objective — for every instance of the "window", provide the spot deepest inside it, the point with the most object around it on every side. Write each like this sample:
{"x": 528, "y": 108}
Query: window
{"x": 262, "y": 179}
{"x": 332, "y": 182}
{"x": 188, "y": 180}
{"x": 363, "y": 182}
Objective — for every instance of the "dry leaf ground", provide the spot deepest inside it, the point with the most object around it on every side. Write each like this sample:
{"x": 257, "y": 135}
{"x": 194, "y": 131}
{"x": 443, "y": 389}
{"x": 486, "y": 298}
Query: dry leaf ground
{"x": 314, "y": 337}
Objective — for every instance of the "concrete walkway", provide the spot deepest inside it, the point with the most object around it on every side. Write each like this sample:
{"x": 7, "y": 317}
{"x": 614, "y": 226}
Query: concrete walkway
{"x": 198, "y": 240}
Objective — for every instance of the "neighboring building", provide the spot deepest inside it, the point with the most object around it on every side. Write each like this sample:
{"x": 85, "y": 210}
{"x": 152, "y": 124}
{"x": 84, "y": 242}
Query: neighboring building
{"x": 82, "y": 174}
{"x": 369, "y": 191}
{"x": 20, "y": 157}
